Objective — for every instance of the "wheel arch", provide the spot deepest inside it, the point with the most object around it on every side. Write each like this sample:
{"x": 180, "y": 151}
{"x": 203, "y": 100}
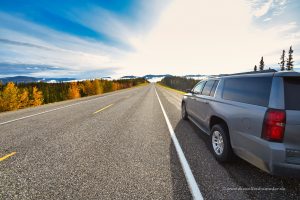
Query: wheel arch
{"x": 217, "y": 120}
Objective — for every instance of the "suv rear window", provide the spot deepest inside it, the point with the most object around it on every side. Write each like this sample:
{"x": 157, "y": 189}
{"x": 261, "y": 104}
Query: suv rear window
{"x": 292, "y": 93}
{"x": 251, "y": 90}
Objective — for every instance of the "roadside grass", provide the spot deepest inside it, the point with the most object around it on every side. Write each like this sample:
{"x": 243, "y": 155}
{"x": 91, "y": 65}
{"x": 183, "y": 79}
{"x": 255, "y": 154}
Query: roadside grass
{"x": 142, "y": 84}
{"x": 172, "y": 89}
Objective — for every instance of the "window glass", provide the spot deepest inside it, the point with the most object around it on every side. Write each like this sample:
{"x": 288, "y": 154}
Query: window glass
{"x": 207, "y": 88}
{"x": 213, "y": 90}
{"x": 198, "y": 88}
{"x": 292, "y": 93}
{"x": 251, "y": 90}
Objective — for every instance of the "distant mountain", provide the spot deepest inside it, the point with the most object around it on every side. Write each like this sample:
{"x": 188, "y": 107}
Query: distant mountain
{"x": 57, "y": 80}
{"x": 129, "y": 77}
{"x": 28, "y": 79}
{"x": 25, "y": 79}
{"x": 194, "y": 75}
{"x": 151, "y": 76}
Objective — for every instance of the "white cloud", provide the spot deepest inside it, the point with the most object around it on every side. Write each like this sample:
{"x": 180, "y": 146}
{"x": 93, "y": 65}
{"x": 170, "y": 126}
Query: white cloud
{"x": 205, "y": 37}
{"x": 268, "y": 7}
{"x": 190, "y": 37}
{"x": 102, "y": 21}
{"x": 61, "y": 49}
{"x": 279, "y": 6}
{"x": 267, "y": 19}
{"x": 263, "y": 9}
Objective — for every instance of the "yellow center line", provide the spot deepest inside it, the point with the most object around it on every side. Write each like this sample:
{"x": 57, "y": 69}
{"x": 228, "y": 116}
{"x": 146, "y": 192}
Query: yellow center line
{"x": 7, "y": 156}
{"x": 103, "y": 108}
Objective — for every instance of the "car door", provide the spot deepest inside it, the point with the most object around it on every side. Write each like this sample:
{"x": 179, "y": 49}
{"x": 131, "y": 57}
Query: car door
{"x": 191, "y": 100}
{"x": 202, "y": 105}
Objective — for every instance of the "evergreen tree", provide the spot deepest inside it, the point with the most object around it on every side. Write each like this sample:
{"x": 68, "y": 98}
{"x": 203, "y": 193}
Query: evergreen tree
{"x": 255, "y": 68}
{"x": 261, "y": 64}
{"x": 290, "y": 62}
{"x": 179, "y": 83}
{"x": 282, "y": 61}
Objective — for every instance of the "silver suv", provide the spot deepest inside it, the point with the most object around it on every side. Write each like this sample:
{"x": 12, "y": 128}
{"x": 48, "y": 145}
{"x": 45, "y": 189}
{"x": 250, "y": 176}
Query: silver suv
{"x": 255, "y": 116}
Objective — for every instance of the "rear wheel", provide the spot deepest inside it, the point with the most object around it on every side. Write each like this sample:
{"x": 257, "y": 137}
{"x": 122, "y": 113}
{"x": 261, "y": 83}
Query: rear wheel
{"x": 220, "y": 143}
{"x": 184, "y": 114}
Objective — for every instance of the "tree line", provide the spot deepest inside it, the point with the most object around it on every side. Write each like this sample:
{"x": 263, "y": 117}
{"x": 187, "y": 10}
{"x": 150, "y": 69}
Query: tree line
{"x": 15, "y": 96}
{"x": 286, "y": 63}
{"x": 179, "y": 83}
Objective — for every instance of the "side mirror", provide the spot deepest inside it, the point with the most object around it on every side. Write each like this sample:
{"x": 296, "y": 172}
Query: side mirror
{"x": 189, "y": 91}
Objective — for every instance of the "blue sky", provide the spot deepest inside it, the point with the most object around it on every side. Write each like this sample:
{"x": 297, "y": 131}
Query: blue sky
{"x": 94, "y": 38}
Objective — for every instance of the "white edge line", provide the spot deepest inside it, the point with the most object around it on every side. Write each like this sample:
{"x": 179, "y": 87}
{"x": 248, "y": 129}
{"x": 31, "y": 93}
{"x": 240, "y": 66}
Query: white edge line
{"x": 184, "y": 163}
{"x": 47, "y": 111}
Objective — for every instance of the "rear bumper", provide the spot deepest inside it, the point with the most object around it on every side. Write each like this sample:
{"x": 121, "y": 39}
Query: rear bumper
{"x": 271, "y": 157}
{"x": 279, "y": 162}
{"x": 285, "y": 169}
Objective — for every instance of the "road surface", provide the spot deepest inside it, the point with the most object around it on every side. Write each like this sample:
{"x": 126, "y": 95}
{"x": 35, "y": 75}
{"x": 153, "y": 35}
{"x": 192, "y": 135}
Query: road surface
{"x": 118, "y": 146}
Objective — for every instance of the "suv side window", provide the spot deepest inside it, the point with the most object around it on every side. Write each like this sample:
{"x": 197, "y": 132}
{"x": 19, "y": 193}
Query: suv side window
{"x": 213, "y": 90}
{"x": 198, "y": 88}
{"x": 207, "y": 88}
{"x": 251, "y": 90}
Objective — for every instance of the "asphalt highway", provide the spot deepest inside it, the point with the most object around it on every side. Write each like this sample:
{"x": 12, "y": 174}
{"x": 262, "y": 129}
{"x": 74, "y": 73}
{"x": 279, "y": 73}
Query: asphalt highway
{"x": 118, "y": 146}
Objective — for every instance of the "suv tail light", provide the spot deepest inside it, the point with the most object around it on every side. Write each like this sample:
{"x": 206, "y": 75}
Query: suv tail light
{"x": 274, "y": 125}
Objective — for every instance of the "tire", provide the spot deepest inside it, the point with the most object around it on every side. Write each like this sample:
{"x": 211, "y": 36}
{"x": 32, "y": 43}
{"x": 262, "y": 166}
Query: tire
{"x": 184, "y": 114}
{"x": 220, "y": 143}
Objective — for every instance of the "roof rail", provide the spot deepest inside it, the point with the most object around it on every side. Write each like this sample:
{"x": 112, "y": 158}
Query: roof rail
{"x": 252, "y": 72}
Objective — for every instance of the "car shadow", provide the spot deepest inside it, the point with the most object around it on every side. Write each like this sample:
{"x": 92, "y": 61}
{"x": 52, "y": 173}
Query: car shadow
{"x": 257, "y": 183}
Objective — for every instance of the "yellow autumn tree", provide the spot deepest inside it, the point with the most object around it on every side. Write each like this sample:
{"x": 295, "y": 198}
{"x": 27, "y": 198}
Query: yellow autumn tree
{"x": 74, "y": 91}
{"x": 9, "y": 97}
{"x": 1, "y": 102}
{"x": 115, "y": 86}
{"x": 88, "y": 88}
{"x": 97, "y": 87}
{"x": 37, "y": 97}
{"x": 23, "y": 98}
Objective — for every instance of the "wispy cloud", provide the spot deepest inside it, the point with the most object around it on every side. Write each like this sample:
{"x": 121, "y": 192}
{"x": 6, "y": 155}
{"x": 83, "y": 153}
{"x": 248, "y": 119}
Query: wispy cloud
{"x": 223, "y": 41}
{"x": 9, "y": 69}
{"x": 195, "y": 36}
{"x": 279, "y": 6}
{"x": 11, "y": 42}
{"x": 54, "y": 48}
{"x": 70, "y": 42}
{"x": 262, "y": 8}
{"x": 267, "y": 19}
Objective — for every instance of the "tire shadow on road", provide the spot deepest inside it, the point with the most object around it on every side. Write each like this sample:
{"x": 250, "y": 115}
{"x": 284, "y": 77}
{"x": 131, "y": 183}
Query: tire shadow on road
{"x": 255, "y": 183}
